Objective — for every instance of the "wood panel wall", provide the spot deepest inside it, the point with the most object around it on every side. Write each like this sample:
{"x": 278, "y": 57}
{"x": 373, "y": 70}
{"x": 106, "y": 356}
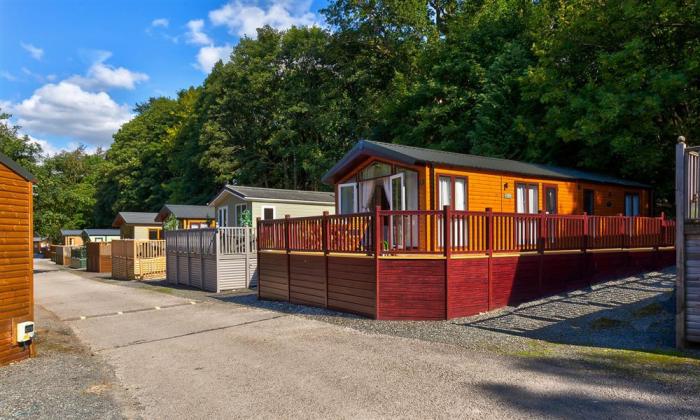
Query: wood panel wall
{"x": 411, "y": 289}
{"x": 99, "y": 257}
{"x": 16, "y": 263}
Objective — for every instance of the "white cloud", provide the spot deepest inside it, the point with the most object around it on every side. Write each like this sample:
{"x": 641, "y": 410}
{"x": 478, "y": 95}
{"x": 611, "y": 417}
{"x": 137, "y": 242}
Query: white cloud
{"x": 66, "y": 110}
{"x": 160, "y": 22}
{"x": 209, "y": 55}
{"x": 8, "y": 76}
{"x": 48, "y": 148}
{"x": 195, "y": 35}
{"x": 243, "y": 19}
{"x": 35, "y": 52}
{"x": 105, "y": 76}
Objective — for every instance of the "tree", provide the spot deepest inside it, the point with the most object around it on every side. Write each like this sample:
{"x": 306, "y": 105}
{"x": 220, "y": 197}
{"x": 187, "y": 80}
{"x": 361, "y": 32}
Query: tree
{"x": 17, "y": 147}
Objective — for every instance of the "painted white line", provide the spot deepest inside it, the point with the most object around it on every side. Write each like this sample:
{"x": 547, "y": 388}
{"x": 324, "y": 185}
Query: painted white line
{"x": 82, "y": 317}
{"x": 120, "y": 313}
{"x": 157, "y": 308}
{"x": 193, "y": 303}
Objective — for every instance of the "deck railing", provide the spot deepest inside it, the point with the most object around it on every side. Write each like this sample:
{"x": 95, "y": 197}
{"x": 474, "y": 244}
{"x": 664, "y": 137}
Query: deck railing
{"x": 387, "y": 232}
{"x": 224, "y": 240}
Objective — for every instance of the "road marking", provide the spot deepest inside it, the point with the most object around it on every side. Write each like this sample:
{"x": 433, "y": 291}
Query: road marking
{"x": 157, "y": 308}
{"x": 151, "y": 308}
{"x": 120, "y": 313}
{"x": 83, "y": 317}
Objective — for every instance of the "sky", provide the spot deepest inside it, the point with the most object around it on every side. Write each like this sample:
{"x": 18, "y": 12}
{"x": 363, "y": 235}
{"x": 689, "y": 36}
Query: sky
{"x": 72, "y": 71}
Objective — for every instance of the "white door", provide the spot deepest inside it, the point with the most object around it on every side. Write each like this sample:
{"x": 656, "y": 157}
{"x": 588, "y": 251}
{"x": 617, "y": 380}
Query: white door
{"x": 527, "y": 202}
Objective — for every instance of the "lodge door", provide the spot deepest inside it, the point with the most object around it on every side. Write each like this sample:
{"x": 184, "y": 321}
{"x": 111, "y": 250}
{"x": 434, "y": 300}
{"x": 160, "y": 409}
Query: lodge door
{"x": 526, "y": 202}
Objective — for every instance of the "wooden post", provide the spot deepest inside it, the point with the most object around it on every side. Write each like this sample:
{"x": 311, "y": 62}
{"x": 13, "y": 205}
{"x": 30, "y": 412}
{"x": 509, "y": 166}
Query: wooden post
{"x": 289, "y": 263}
{"x": 325, "y": 247}
{"x": 584, "y": 244}
{"x": 377, "y": 252}
{"x": 540, "y": 249}
{"x": 489, "y": 246}
{"x": 447, "y": 250}
{"x": 257, "y": 249}
{"x": 680, "y": 242}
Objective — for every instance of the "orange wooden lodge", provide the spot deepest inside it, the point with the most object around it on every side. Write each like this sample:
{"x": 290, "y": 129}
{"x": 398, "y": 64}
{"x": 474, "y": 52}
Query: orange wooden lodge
{"x": 16, "y": 264}
{"x": 425, "y": 234}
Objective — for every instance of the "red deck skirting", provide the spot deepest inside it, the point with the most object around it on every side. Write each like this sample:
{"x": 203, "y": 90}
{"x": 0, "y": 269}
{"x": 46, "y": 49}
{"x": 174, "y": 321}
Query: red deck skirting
{"x": 435, "y": 289}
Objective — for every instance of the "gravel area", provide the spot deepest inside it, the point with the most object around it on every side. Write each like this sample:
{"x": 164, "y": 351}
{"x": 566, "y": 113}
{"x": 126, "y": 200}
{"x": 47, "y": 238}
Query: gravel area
{"x": 64, "y": 380}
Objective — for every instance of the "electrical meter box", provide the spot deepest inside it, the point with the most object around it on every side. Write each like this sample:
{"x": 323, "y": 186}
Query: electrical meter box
{"x": 25, "y": 331}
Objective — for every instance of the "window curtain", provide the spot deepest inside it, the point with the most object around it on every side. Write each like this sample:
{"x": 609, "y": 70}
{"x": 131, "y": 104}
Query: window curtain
{"x": 386, "y": 184}
{"x": 460, "y": 194}
{"x": 366, "y": 188}
{"x": 520, "y": 197}
{"x": 533, "y": 200}
{"x": 445, "y": 191}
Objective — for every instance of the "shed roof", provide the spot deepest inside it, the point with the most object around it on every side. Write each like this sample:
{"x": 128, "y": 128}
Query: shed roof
{"x": 135, "y": 218}
{"x": 71, "y": 232}
{"x": 101, "y": 232}
{"x": 17, "y": 168}
{"x": 185, "y": 211}
{"x": 275, "y": 194}
{"x": 418, "y": 155}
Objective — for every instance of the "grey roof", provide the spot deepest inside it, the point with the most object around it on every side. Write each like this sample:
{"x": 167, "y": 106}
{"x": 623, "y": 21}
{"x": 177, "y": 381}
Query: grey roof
{"x": 418, "y": 155}
{"x": 272, "y": 194}
{"x": 71, "y": 232}
{"x": 136, "y": 218}
{"x": 40, "y": 238}
{"x": 186, "y": 211}
{"x": 16, "y": 167}
{"x": 101, "y": 232}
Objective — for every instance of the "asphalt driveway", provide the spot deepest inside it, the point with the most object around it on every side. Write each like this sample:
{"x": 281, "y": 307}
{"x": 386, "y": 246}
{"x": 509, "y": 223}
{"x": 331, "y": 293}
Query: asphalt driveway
{"x": 187, "y": 358}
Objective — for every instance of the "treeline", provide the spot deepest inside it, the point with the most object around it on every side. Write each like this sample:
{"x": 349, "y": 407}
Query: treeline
{"x": 605, "y": 86}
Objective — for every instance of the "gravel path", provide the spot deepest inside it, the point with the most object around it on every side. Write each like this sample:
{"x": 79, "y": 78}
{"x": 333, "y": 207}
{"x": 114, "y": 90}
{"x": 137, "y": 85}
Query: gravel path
{"x": 64, "y": 380}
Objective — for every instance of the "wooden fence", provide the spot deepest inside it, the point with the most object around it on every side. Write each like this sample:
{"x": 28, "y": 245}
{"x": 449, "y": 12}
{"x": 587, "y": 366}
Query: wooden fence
{"x": 62, "y": 254}
{"x": 388, "y": 232}
{"x": 212, "y": 259}
{"x": 138, "y": 259}
{"x": 99, "y": 257}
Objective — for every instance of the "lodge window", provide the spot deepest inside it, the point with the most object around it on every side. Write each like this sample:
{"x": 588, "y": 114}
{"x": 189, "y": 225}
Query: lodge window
{"x": 222, "y": 217}
{"x": 453, "y": 192}
{"x": 268, "y": 212}
{"x": 238, "y": 211}
{"x": 551, "y": 201}
{"x": 153, "y": 234}
{"x": 632, "y": 204}
{"x": 347, "y": 198}
{"x": 527, "y": 198}
{"x": 589, "y": 201}
{"x": 375, "y": 170}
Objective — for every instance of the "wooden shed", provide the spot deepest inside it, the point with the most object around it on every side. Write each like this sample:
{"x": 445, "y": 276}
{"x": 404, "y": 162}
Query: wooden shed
{"x": 16, "y": 263}
{"x": 212, "y": 259}
{"x": 99, "y": 257}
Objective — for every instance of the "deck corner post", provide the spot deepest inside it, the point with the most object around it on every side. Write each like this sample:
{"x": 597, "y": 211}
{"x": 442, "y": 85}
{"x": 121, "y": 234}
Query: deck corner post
{"x": 257, "y": 254}
{"x": 681, "y": 208}
{"x": 289, "y": 259}
{"x": 377, "y": 251}
{"x": 447, "y": 250}
{"x": 489, "y": 246}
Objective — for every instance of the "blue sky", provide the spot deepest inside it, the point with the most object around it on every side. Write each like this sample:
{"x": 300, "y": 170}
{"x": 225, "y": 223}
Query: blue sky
{"x": 71, "y": 71}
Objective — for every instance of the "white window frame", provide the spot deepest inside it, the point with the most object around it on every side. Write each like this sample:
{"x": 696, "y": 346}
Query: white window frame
{"x": 340, "y": 196}
{"x": 262, "y": 212}
{"x": 403, "y": 191}
{"x": 219, "y": 217}
{"x": 237, "y": 213}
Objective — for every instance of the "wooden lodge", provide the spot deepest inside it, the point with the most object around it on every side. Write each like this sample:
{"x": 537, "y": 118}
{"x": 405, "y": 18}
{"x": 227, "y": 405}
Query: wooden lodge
{"x": 72, "y": 237}
{"x": 16, "y": 263}
{"x": 423, "y": 234}
{"x": 138, "y": 225}
{"x": 188, "y": 216}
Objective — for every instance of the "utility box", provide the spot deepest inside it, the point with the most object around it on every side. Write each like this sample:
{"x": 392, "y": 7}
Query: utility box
{"x": 25, "y": 331}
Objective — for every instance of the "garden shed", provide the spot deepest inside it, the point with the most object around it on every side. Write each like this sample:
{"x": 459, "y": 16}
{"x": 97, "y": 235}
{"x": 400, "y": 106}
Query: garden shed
{"x": 16, "y": 264}
{"x": 212, "y": 259}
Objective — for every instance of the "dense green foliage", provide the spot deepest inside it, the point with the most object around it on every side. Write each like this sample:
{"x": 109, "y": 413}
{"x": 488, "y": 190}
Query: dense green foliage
{"x": 599, "y": 85}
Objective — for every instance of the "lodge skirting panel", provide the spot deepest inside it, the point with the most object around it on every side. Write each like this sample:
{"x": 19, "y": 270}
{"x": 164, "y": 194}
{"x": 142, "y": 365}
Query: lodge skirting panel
{"x": 441, "y": 288}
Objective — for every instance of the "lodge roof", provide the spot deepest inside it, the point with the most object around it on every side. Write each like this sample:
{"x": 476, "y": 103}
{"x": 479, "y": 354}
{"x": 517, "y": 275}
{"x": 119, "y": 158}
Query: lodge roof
{"x": 135, "y": 218}
{"x": 101, "y": 232}
{"x": 17, "y": 168}
{"x": 71, "y": 232}
{"x": 275, "y": 194}
{"x": 418, "y": 155}
{"x": 185, "y": 211}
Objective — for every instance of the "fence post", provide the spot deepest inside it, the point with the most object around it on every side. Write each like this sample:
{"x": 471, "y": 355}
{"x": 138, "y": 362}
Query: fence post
{"x": 447, "y": 251}
{"x": 257, "y": 249}
{"x": 489, "y": 246}
{"x": 584, "y": 241}
{"x": 325, "y": 237}
{"x": 377, "y": 252}
{"x": 289, "y": 262}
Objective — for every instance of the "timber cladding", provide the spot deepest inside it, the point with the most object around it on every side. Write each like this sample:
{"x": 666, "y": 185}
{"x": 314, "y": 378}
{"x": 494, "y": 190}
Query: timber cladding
{"x": 440, "y": 288}
{"x": 16, "y": 262}
{"x": 99, "y": 257}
